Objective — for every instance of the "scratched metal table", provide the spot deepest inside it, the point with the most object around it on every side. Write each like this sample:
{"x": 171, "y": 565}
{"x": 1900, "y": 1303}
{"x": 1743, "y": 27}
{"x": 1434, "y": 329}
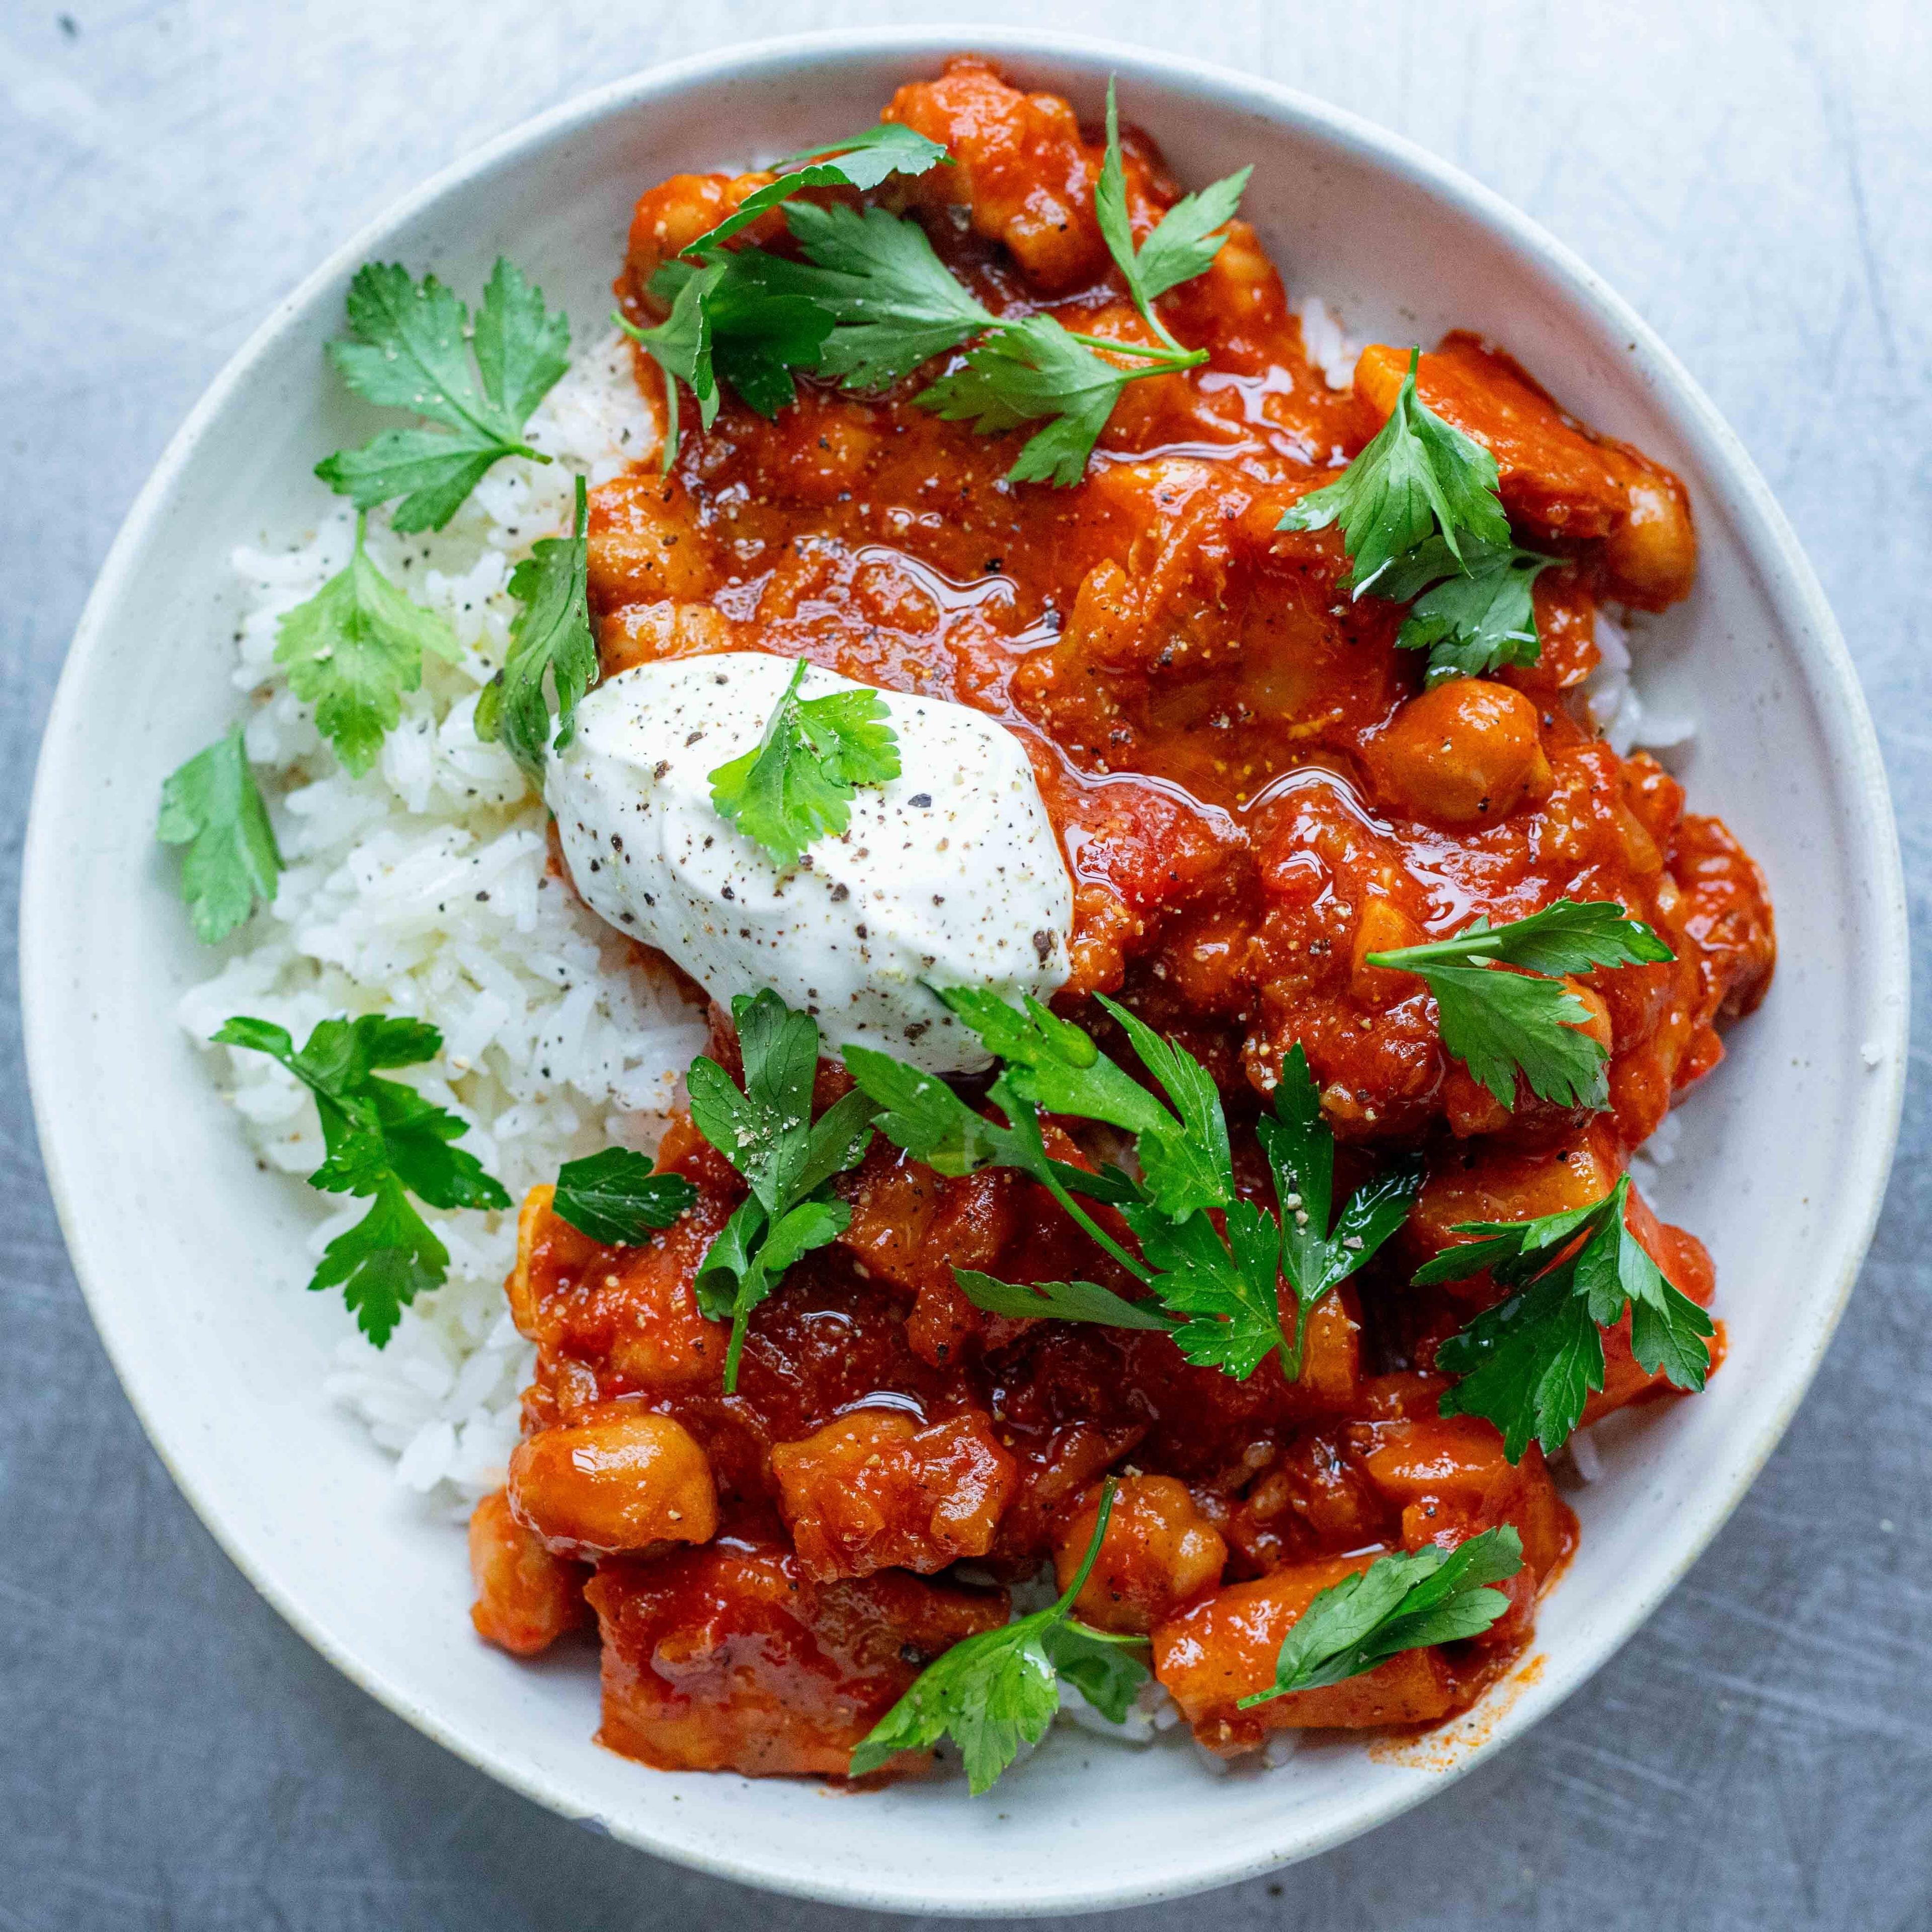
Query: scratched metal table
{"x": 1757, "y": 181}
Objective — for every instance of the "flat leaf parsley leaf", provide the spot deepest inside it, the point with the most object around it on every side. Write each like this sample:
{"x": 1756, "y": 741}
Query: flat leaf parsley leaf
{"x": 382, "y": 1139}
{"x": 1182, "y": 244}
{"x": 1032, "y": 368}
{"x": 1403, "y": 1602}
{"x": 1472, "y": 617}
{"x": 1061, "y": 1301}
{"x": 760, "y": 327}
{"x": 1315, "y": 1256}
{"x": 997, "y": 1690}
{"x": 212, "y": 805}
{"x": 1500, "y": 1024}
{"x": 1530, "y": 1363}
{"x": 1215, "y": 1288}
{"x": 796, "y": 786}
{"x": 894, "y": 303}
{"x": 618, "y": 1198}
{"x": 552, "y": 648}
{"x": 1420, "y": 477}
{"x": 886, "y": 149}
{"x": 353, "y": 650}
{"x": 410, "y": 348}
{"x": 766, "y": 1131}
{"x": 748, "y": 317}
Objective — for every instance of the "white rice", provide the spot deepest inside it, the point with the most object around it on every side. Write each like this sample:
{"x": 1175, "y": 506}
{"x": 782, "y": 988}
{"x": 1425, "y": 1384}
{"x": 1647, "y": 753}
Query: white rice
{"x": 1331, "y": 347}
{"x": 1616, "y": 705}
{"x": 422, "y": 889}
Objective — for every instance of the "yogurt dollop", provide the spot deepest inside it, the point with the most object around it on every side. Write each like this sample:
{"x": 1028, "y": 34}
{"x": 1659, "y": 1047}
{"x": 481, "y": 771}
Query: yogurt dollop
{"x": 948, "y": 875}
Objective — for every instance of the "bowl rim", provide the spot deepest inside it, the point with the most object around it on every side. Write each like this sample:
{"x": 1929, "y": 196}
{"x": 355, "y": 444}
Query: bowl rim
{"x": 1765, "y": 537}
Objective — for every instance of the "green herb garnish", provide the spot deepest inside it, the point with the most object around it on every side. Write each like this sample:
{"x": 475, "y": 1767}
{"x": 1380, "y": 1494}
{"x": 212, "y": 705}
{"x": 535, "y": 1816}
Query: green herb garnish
{"x": 743, "y": 314}
{"x": 1500, "y": 1024}
{"x": 383, "y": 1139}
{"x": 680, "y": 345}
{"x": 1419, "y": 508}
{"x": 1472, "y": 617}
{"x": 1034, "y": 368}
{"x": 995, "y": 1691}
{"x": 1404, "y": 1602}
{"x": 1216, "y": 1290}
{"x": 767, "y": 1133}
{"x": 894, "y": 303}
{"x": 618, "y": 1198}
{"x": 796, "y": 786}
{"x": 551, "y": 635}
{"x": 757, "y": 328}
{"x": 1419, "y": 478}
{"x": 1530, "y": 1364}
{"x": 212, "y": 805}
{"x": 871, "y": 302}
{"x": 863, "y": 161}
{"x": 353, "y": 650}
{"x": 410, "y": 348}
{"x": 1183, "y": 244}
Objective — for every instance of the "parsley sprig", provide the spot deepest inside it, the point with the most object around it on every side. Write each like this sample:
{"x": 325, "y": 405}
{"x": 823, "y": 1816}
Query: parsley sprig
{"x": 618, "y": 1198}
{"x": 861, "y": 161}
{"x": 766, "y": 1131}
{"x": 1530, "y": 1364}
{"x": 553, "y": 653}
{"x": 411, "y": 346}
{"x": 1214, "y": 1287}
{"x": 1182, "y": 244}
{"x": 1033, "y": 369}
{"x": 894, "y": 303}
{"x": 796, "y": 785}
{"x": 1472, "y": 615}
{"x": 870, "y": 301}
{"x": 385, "y": 1141}
{"x": 1406, "y": 1601}
{"x": 212, "y": 805}
{"x": 1422, "y": 519}
{"x": 354, "y": 649}
{"x": 993, "y": 1692}
{"x": 742, "y": 313}
{"x": 1502, "y": 1025}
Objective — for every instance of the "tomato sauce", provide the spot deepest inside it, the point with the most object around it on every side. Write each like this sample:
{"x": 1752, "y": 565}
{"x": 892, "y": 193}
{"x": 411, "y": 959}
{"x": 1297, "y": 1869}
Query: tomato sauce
{"x": 1254, "y": 792}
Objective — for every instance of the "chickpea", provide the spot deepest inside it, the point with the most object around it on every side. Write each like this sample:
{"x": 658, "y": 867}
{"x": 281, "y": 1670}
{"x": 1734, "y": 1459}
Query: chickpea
{"x": 671, "y": 216}
{"x": 526, "y": 1598}
{"x": 873, "y": 1490}
{"x": 645, "y": 543}
{"x": 1160, "y": 1551}
{"x": 1384, "y": 927}
{"x": 622, "y": 1480}
{"x": 1652, "y": 553}
{"x": 1467, "y": 751}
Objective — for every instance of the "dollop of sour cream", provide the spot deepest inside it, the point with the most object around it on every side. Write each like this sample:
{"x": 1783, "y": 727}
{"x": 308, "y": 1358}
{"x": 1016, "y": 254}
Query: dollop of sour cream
{"x": 948, "y": 875}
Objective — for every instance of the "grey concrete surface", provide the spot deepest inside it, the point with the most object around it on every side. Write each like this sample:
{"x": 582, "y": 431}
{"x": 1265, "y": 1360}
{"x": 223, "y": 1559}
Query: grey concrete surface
{"x": 1756, "y": 178}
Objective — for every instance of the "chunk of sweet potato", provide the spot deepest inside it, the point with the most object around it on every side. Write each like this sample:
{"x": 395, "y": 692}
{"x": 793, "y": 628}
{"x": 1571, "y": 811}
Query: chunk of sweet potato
{"x": 1223, "y": 1649}
{"x": 1021, "y": 168}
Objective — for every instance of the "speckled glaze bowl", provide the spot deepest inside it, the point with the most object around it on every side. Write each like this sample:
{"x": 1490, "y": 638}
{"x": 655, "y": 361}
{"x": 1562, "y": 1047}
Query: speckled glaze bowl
{"x": 192, "y": 1266}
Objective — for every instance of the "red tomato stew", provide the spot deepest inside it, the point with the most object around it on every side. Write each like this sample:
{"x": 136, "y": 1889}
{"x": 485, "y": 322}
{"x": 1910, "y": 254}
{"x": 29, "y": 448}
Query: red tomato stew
{"x": 1266, "y": 779}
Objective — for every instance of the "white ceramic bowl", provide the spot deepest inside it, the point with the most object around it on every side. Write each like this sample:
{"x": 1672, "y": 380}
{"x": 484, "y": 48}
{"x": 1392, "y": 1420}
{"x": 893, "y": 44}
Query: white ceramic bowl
{"x": 190, "y": 1259}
